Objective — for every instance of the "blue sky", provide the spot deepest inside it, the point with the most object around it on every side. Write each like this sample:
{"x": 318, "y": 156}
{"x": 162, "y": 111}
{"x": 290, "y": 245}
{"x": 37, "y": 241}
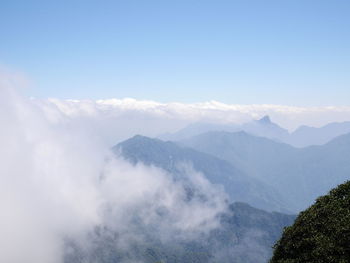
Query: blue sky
{"x": 294, "y": 52}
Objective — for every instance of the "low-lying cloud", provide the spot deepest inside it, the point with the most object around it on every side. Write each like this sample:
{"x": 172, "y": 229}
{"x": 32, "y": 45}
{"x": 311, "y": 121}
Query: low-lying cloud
{"x": 59, "y": 181}
{"x": 118, "y": 119}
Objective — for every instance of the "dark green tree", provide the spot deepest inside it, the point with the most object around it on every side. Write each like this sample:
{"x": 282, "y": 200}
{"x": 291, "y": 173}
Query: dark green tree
{"x": 320, "y": 234}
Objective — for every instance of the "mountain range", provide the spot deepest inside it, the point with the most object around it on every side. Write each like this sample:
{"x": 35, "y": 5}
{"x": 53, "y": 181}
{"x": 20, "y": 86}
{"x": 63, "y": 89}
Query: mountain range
{"x": 302, "y": 137}
{"x": 173, "y": 157}
{"x": 259, "y": 174}
{"x": 300, "y": 174}
{"x": 265, "y": 173}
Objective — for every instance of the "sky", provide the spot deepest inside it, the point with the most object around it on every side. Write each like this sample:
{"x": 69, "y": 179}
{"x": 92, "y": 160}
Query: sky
{"x": 290, "y": 52}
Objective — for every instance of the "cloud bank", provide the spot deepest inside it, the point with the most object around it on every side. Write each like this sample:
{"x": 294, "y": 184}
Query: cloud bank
{"x": 59, "y": 181}
{"x": 119, "y": 119}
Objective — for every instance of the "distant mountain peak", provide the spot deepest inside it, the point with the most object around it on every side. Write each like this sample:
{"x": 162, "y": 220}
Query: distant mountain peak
{"x": 265, "y": 120}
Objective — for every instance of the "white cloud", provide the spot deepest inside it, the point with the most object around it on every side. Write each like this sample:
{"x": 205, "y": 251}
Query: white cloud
{"x": 119, "y": 119}
{"x": 58, "y": 180}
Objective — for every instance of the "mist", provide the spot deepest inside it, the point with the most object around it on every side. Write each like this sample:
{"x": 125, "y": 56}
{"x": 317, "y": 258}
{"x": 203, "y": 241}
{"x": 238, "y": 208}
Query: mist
{"x": 118, "y": 119}
{"x": 59, "y": 181}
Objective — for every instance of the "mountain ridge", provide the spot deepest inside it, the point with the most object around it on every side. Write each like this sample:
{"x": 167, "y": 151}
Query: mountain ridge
{"x": 301, "y": 174}
{"x": 303, "y": 136}
{"x": 167, "y": 155}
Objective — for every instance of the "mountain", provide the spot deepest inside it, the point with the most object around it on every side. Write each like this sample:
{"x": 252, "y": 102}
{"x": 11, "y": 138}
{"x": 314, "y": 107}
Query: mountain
{"x": 263, "y": 127}
{"x": 245, "y": 235}
{"x": 300, "y": 174}
{"x": 249, "y": 153}
{"x": 306, "y": 136}
{"x": 172, "y": 157}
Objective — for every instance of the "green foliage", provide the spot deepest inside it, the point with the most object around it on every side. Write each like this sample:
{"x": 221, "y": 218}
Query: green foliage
{"x": 321, "y": 233}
